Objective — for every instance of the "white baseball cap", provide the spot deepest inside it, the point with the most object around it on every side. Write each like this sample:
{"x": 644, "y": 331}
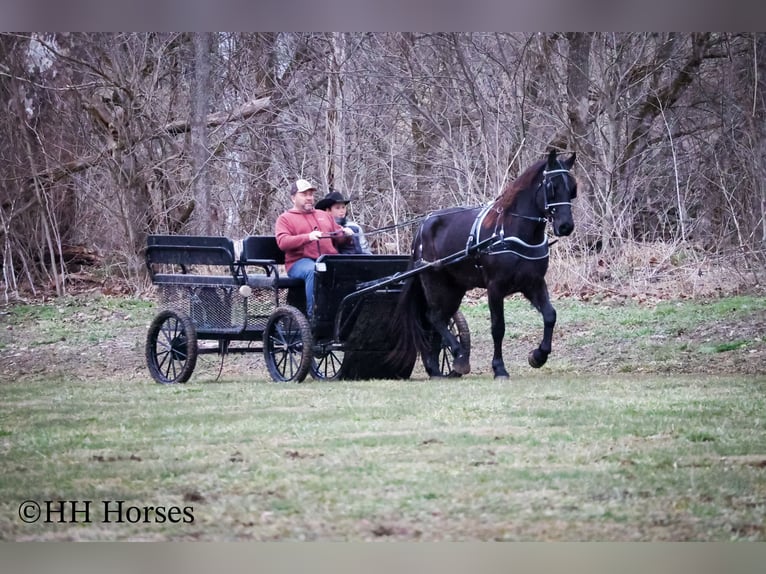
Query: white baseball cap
{"x": 301, "y": 185}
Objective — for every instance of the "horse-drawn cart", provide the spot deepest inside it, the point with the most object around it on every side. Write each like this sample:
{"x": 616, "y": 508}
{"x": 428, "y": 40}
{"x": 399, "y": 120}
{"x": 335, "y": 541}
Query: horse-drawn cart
{"x": 208, "y": 291}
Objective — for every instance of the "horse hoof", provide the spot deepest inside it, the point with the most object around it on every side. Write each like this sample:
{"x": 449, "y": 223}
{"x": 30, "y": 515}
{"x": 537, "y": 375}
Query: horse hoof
{"x": 500, "y": 373}
{"x": 454, "y": 375}
{"x": 536, "y": 361}
{"x": 461, "y": 367}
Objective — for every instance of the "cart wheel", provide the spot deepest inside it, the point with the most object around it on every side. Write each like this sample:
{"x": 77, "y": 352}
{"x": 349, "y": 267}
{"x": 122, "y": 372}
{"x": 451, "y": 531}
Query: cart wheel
{"x": 327, "y": 367}
{"x": 171, "y": 348}
{"x": 287, "y": 345}
{"x": 458, "y": 326}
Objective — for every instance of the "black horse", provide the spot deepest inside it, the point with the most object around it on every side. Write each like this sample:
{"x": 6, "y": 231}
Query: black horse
{"x": 501, "y": 247}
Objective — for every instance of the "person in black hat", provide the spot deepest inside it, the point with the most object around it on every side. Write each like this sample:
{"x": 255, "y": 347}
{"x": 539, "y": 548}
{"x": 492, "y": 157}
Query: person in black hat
{"x": 336, "y": 205}
{"x": 304, "y": 233}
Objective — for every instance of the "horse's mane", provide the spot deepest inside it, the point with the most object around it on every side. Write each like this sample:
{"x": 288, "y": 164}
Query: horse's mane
{"x": 511, "y": 192}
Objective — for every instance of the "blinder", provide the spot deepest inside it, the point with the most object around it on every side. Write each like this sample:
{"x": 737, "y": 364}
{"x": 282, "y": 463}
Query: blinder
{"x": 550, "y": 193}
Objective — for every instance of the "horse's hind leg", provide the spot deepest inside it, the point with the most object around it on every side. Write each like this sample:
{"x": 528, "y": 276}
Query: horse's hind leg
{"x": 461, "y": 363}
{"x": 541, "y": 301}
{"x": 431, "y": 356}
{"x": 443, "y": 301}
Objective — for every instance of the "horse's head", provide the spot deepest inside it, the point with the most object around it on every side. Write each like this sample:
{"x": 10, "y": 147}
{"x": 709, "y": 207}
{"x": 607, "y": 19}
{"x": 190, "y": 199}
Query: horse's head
{"x": 559, "y": 188}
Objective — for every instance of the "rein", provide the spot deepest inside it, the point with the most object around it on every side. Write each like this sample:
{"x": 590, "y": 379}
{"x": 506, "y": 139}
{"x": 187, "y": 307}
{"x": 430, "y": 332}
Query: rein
{"x": 497, "y": 243}
{"x": 396, "y": 226}
{"x": 412, "y": 221}
{"x": 380, "y": 229}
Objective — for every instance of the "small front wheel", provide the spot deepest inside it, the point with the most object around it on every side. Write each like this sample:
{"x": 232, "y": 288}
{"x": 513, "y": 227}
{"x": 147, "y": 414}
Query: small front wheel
{"x": 328, "y": 366}
{"x": 287, "y": 345}
{"x": 171, "y": 348}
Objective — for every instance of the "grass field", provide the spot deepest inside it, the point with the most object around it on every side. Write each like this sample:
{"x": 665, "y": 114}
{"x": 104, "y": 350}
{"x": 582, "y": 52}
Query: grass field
{"x": 616, "y": 439}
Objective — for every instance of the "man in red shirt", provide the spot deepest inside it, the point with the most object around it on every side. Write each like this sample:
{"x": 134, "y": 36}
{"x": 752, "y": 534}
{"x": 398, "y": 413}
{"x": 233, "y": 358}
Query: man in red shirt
{"x": 304, "y": 234}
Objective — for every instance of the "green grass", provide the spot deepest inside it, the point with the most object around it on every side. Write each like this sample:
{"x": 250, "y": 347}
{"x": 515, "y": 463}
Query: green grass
{"x": 624, "y": 319}
{"x": 621, "y": 335}
{"x": 560, "y": 453}
{"x": 538, "y": 459}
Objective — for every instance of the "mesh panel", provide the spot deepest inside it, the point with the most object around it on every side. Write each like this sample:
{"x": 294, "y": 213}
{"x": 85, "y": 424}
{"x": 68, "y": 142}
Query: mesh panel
{"x": 214, "y": 308}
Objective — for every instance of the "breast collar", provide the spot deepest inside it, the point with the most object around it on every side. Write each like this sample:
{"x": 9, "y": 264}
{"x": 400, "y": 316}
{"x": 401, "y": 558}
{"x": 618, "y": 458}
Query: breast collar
{"x": 503, "y": 244}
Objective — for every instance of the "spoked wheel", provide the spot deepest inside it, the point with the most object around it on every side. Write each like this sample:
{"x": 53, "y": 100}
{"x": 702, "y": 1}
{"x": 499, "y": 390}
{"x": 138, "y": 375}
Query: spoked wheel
{"x": 171, "y": 348}
{"x": 458, "y": 326}
{"x": 327, "y": 366}
{"x": 287, "y": 345}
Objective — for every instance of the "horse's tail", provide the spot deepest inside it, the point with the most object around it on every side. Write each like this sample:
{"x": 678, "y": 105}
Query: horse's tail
{"x": 408, "y": 324}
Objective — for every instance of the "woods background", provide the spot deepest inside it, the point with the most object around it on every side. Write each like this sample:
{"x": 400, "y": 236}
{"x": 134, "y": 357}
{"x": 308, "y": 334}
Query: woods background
{"x": 110, "y": 137}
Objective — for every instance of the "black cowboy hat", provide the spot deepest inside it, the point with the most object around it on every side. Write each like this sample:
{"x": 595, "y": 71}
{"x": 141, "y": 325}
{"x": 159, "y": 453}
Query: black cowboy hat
{"x": 330, "y": 199}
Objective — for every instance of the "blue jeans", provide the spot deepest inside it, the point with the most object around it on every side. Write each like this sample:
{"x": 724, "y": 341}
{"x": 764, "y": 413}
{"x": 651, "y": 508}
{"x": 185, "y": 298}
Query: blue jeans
{"x": 304, "y": 269}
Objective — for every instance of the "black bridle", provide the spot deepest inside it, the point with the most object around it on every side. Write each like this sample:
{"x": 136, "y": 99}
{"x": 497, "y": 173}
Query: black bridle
{"x": 550, "y": 208}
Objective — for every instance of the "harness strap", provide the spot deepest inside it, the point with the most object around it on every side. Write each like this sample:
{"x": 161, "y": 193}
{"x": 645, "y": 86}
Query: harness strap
{"x": 555, "y": 171}
{"x": 473, "y": 236}
{"x": 519, "y": 247}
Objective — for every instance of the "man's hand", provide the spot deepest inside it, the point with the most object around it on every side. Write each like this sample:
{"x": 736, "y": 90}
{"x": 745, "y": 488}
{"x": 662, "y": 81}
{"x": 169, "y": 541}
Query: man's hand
{"x": 347, "y": 231}
{"x": 315, "y": 235}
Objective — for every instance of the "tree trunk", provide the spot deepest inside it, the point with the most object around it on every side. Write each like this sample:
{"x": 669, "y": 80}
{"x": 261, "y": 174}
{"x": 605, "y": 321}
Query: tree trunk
{"x": 334, "y": 126}
{"x": 203, "y": 214}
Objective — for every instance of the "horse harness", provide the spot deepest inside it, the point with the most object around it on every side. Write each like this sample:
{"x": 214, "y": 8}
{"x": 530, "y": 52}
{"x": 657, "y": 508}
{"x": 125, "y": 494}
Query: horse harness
{"x": 497, "y": 243}
{"x": 502, "y": 244}
{"x": 513, "y": 244}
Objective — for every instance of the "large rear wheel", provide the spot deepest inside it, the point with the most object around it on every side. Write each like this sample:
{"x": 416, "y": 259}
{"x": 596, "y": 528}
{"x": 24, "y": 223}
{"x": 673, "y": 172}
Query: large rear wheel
{"x": 171, "y": 348}
{"x": 287, "y": 345}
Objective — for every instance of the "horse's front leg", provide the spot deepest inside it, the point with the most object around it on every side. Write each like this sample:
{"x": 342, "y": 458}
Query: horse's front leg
{"x": 497, "y": 319}
{"x": 538, "y": 357}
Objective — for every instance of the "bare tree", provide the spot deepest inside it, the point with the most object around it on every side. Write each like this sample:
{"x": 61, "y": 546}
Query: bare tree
{"x": 114, "y": 136}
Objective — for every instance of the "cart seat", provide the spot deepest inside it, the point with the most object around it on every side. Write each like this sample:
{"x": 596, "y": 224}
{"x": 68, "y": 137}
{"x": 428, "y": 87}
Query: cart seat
{"x": 186, "y": 251}
{"x": 263, "y": 251}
